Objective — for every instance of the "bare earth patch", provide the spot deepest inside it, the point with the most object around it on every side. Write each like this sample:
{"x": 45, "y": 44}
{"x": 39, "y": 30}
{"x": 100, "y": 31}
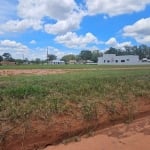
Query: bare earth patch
{"x": 11, "y": 72}
{"x": 134, "y": 136}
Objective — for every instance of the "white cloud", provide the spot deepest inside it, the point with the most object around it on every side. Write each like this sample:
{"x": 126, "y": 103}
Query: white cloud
{"x": 61, "y": 16}
{"x": 32, "y": 9}
{"x": 41, "y": 53}
{"x": 112, "y": 42}
{"x": 63, "y": 26}
{"x": 18, "y": 50}
{"x": 55, "y": 51}
{"x": 13, "y": 47}
{"x": 115, "y": 7}
{"x": 92, "y": 48}
{"x": 140, "y": 31}
{"x": 72, "y": 40}
{"x": 7, "y": 10}
{"x": 33, "y": 42}
{"x": 61, "y": 10}
{"x": 66, "y": 14}
{"x": 52, "y": 8}
{"x": 19, "y": 25}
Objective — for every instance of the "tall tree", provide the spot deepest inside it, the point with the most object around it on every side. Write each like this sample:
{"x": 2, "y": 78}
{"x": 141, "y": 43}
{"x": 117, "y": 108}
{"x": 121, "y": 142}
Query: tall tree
{"x": 86, "y": 55}
{"x": 51, "y": 57}
{"x": 37, "y": 60}
{"x": 7, "y": 56}
{"x": 78, "y": 58}
{"x": 69, "y": 57}
{"x": 19, "y": 61}
{"x": 1, "y": 58}
{"x": 142, "y": 51}
{"x": 112, "y": 51}
{"x": 95, "y": 55}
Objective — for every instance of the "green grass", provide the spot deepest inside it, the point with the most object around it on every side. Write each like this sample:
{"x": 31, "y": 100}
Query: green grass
{"x": 77, "y": 66}
{"x": 45, "y": 95}
{"x": 32, "y": 66}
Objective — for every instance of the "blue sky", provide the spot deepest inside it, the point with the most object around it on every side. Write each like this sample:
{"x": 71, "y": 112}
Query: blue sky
{"x": 30, "y": 27}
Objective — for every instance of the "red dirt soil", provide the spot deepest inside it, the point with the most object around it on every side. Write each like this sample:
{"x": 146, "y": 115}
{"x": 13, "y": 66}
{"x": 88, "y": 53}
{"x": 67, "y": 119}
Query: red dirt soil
{"x": 35, "y": 134}
{"x": 134, "y": 136}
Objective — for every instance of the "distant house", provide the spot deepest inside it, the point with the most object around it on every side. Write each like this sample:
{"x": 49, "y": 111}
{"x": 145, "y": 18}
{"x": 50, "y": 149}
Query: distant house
{"x": 26, "y": 63}
{"x": 56, "y": 62}
{"x": 145, "y": 60}
{"x": 112, "y": 59}
{"x": 72, "y": 62}
{"x": 90, "y": 62}
{"x": 7, "y": 63}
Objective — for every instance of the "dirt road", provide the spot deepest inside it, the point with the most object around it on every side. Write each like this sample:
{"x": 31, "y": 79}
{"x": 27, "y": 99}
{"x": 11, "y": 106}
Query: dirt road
{"x": 134, "y": 136}
{"x": 12, "y": 72}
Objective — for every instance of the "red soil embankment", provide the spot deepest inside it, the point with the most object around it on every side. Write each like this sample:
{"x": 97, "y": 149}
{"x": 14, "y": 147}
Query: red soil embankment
{"x": 134, "y": 136}
{"x": 34, "y": 134}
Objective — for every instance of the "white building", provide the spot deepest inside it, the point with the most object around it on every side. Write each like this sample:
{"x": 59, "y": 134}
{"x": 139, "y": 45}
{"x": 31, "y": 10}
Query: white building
{"x": 112, "y": 59}
{"x": 56, "y": 62}
{"x": 145, "y": 60}
{"x": 72, "y": 62}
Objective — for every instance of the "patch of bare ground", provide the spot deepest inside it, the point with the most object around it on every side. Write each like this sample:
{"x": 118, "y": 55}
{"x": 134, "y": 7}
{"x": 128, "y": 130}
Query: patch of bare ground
{"x": 133, "y": 136}
{"x": 38, "y": 133}
{"x": 12, "y": 72}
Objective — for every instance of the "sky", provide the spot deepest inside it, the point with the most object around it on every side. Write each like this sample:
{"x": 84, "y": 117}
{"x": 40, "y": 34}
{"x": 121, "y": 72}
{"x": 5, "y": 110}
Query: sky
{"x": 28, "y": 28}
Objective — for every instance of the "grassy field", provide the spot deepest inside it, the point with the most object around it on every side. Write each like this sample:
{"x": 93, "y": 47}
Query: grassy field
{"x": 43, "y": 96}
{"x": 77, "y": 66}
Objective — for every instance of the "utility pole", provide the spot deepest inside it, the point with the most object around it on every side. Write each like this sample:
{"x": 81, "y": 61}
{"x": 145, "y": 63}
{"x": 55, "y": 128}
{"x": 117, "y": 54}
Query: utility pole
{"x": 23, "y": 58}
{"x": 47, "y": 55}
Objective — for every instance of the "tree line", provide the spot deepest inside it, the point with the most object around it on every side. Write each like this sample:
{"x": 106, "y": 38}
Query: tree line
{"x": 7, "y": 57}
{"x": 142, "y": 51}
{"x": 83, "y": 56}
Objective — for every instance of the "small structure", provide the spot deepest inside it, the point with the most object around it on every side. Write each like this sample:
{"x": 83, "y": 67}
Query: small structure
{"x": 112, "y": 59}
{"x": 56, "y": 62}
{"x": 7, "y": 63}
{"x": 145, "y": 60}
{"x": 72, "y": 62}
{"x": 89, "y": 62}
